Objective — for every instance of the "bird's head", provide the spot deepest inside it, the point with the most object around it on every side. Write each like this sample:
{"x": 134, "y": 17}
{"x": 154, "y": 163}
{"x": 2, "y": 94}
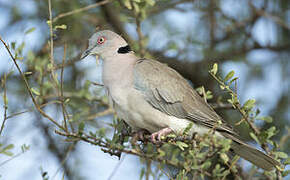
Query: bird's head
{"x": 106, "y": 43}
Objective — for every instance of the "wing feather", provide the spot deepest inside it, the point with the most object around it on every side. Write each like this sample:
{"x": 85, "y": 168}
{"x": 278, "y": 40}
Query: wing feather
{"x": 169, "y": 92}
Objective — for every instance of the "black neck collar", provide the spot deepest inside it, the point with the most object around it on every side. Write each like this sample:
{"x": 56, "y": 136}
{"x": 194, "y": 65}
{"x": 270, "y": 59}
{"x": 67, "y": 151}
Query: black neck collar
{"x": 124, "y": 49}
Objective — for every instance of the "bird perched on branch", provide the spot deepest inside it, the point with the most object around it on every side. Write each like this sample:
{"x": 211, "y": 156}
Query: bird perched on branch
{"x": 151, "y": 96}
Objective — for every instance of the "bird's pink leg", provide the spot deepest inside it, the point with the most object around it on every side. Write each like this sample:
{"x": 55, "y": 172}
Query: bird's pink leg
{"x": 155, "y": 137}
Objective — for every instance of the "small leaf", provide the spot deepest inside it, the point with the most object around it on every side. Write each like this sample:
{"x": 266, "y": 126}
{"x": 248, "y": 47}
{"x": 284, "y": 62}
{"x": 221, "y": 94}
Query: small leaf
{"x": 214, "y": 68}
{"x": 206, "y": 165}
{"x": 36, "y": 92}
{"x": 286, "y": 173}
{"x": 27, "y": 73}
{"x": 63, "y": 26}
{"x": 229, "y": 75}
{"x": 48, "y": 22}
{"x": 150, "y": 2}
{"x": 127, "y": 4}
{"x": 187, "y": 129}
{"x": 267, "y": 119}
{"x": 136, "y": 7}
{"x": 233, "y": 80}
{"x": 81, "y": 127}
{"x": 181, "y": 145}
{"x": 254, "y": 137}
{"x": 287, "y": 161}
{"x": 281, "y": 154}
{"x": 66, "y": 101}
{"x": 249, "y": 104}
{"x": 10, "y": 146}
{"x": 13, "y": 44}
{"x": 224, "y": 157}
{"x": 30, "y": 30}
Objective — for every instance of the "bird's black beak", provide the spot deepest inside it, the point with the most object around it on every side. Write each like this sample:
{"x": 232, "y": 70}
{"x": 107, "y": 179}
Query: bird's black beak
{"x": 86, "y": 53}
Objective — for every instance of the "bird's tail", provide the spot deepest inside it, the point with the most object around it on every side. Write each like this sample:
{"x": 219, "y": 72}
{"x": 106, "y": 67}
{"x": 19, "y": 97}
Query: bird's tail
{"x": 253, "y": 155}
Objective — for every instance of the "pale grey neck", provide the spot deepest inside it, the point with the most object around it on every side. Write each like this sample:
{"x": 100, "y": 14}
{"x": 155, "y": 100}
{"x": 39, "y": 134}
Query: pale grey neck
{"x": 118, "y": 70}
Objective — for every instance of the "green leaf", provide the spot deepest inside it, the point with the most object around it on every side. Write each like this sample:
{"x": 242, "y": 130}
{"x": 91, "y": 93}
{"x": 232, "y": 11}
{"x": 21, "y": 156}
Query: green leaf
{"x": 249, "y": 104}
{"x": 67, "y": 100}
{"x": 27, "y": 73}
{"x": 267, "y": 119}
{"x": 150, "y": 2}
{"x": 30, "y": 30}
{"x": 281, "y": 154}
{"x": 102, "y": 132}
{"x": 181, "y": 145}
{"x": 206, "y": 165}
{"x": 20, "y": 48}
{"x": 287, "y": 161}
{"x": 13, "y": 44}
{"x": 224, "y": 157}
{"x": 229, "y": 75}
{"x": 285, "y": 173}
{"x": 35, "y": 91}
{"x": 254, "y": 137}
{"x": 136, "y": 7}
{"x": 142, "y": 173}
{"x": 63, "y": 26}
{"x": 127, "y": 4}
{"x": 187, "y": 129}
{"x": 48, "y": 22}
{"x": 9, "y": 147}
{"x": 233, "y": 80}
{"x": 214, "y": 68}
{"x": 24, "y": 148}
{"x": 81, "y": 127}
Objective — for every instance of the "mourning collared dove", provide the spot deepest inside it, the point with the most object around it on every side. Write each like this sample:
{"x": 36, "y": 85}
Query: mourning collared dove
{"x": 149, "y": 95}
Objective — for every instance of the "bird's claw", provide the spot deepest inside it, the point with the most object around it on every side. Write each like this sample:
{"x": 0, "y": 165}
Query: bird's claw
{"x": 139, "y": 135}
{"x": 157, "y": 136}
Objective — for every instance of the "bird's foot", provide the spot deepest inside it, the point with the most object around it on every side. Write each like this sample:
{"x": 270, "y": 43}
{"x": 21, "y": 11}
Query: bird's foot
{"x": 156, "y": 137}
{"x": 139, "y": 135}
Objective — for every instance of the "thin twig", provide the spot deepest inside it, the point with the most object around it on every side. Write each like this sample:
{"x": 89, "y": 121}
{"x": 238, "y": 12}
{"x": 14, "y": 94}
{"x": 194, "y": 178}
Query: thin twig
{"x": 238, "y": 106}
{"x": 5, "y": 103}
{"x": 70, "y": 148}
{"x": 138, "y": 29}
{"x": 61, "y": 89}
{"x": 167, "y": 174}
{"x": 29, "y": 110}
{"x": 272, "y": 17}
{"x": 51, "y": 42}
{"x": 28, "y": 87}
{"x": 117, "y": 167}
{"x": 80, "y": 10}
{"x": 101, "y": 114}
{"x": 8, "y": 160}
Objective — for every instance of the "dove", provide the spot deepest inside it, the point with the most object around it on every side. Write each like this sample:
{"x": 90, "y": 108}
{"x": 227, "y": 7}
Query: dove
{"x": 151, "y": 96}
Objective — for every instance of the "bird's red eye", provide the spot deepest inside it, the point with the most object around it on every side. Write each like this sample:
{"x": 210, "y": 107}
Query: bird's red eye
{"x": 101, "y": 40}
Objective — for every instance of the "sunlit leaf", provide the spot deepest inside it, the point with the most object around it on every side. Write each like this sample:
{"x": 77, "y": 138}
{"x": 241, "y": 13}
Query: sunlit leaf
{"x": 214, "y": 69}
{"x": 35, "y": 91}
{"x": 254, "y": 137}
{"x": 249, "y": 104}
{"x": 30, "y": 30}
{"x": 229, "y": 75}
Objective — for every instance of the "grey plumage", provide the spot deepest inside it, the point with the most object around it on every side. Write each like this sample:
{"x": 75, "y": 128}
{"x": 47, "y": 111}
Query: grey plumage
{"x": 152, "y": 96}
